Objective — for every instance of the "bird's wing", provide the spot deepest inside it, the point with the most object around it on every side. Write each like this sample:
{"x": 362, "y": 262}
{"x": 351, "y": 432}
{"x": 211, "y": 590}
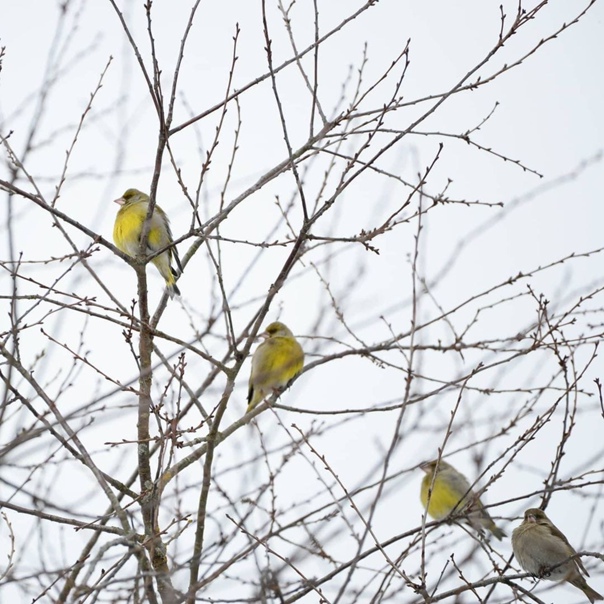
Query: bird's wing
{"x": 557, "y": 545}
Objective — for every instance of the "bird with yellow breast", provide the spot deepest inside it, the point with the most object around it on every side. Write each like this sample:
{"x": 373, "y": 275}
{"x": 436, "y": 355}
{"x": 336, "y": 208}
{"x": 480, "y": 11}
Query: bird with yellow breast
{"x": 277, "y": 361}
{"x": 128, "y": 229}
{"x": 445, "y": 490}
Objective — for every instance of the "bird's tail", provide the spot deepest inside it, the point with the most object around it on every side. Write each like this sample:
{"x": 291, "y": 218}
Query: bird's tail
{"x": 253, "y": 398}
{"x": 497, "y": 532}
{"x": 162, "y": 262}
{"x": 171, "y": 283}
{"x": 172, "y": 289}
{"x": 581, "y": 583}
{"x": 481, "y": 519}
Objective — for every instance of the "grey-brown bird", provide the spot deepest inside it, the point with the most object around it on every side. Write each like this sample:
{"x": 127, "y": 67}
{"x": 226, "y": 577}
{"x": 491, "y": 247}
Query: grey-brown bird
{"x": 543, "y": 550}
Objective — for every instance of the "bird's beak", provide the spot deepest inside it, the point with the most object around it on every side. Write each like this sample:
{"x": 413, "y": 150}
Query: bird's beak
{"x": 531, "y": 518}
{"x": 120, "y": 202}
{"x": 425, "y": 466}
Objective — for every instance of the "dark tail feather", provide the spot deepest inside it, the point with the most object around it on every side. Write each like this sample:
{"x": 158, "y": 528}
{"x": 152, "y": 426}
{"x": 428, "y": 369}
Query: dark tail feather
{"x": 177, "y": 259}
{"x": 173, "y": 289}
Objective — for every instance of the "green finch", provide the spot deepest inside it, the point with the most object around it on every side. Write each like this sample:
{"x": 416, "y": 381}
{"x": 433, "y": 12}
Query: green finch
{"x": 451, "y": 492}
{"x": 128, "y": 228}
{"x": 542, "y": 550}
{"x": 275, "y": 362}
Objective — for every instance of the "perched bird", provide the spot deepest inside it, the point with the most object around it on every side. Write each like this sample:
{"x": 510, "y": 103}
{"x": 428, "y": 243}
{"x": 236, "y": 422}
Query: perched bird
{"x": 128, "y": 228}
{"x": 275, "y": 362}
{"x": 451, "y": 492}
{"x": 542, "y": 550}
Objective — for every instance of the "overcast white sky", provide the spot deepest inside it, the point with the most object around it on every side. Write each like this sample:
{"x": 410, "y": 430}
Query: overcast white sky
{"x": 548, "y": 117}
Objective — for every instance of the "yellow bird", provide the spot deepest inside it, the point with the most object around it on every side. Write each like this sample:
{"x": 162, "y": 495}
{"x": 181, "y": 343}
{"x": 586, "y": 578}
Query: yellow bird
{"x": 277, "y": 361}
{"x": 451, "y": 492}
{"x": 128, "y": 228}
{"x": 543, "y": 550}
